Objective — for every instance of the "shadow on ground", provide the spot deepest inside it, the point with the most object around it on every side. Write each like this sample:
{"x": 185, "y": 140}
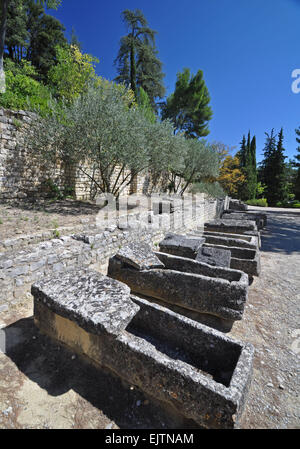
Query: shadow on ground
{"x": 53, "y": 368}
{"x": 65, "y": 207}
{"x": 282, "y": 234}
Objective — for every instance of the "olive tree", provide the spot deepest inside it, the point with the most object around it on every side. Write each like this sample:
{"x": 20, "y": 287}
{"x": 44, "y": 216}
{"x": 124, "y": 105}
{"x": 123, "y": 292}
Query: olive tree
{"x": 200, "y": 163}
{"x": 107, "y": 137}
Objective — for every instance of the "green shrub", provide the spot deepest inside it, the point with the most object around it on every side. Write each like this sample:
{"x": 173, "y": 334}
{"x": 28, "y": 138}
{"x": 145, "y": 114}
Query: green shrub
{"x": 296, "y": 205}
{"x": 210, "y": 188}
{"x": 23, "y": 91}
{"x": 261, "y": 202}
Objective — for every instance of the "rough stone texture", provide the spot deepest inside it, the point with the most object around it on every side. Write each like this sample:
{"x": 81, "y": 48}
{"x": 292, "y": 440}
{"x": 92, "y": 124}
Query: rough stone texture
{"x": 95, "y": 302}
{"x": 259, "y": 218}
{"x": 245, "y": 259}
{"x": 214, "y": 256}
{"x": 225, "y": 240}
{"x": 197, "y": 292}
{"x": 232, "y": 226}
{"x": 140, "y": 256}
{"x": 181, "y": 246}
{"x": 197, "y": 370}
{"x": 243, "y": 239}
{"x": 24, "y": 261}
{"x": 44, "y": 386}
{"x": 237, "y": 205}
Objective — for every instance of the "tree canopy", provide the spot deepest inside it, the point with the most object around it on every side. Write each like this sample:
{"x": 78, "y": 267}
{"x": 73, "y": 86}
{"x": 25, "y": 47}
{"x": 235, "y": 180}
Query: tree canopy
{"x": 137, "y": 61}
{"x": 188, "y": 107}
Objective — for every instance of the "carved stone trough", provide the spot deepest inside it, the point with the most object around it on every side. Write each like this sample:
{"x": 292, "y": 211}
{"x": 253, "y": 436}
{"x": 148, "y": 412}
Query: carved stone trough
{"x": 192, "y": 247}
{"x": 240, "y": 258}
{"x": 259, "y": 218}
{"x": 237, "y": 205}
{"x": 251, "y": 240}
{"x": 247, "y": 227}
{"x": 200, "y": 373}
{"x": 212, "y": 295}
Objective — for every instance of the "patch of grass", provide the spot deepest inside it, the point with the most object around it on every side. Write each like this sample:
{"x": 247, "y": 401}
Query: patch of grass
{"x": 1, "y": 222}
{"x": 56, "y": 234}
{"x": 261, "y": 202}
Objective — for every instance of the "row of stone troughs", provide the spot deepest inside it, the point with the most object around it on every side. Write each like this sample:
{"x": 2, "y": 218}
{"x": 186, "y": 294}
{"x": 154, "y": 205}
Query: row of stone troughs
{"x": 159, "y": 318}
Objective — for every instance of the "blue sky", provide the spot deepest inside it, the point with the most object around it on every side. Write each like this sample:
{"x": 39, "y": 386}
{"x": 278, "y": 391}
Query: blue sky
{"x": 247, "y": 50}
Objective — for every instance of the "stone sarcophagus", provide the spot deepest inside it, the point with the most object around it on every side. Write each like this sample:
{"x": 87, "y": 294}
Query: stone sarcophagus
{"x": 247, "y": 227}
{"x": 243, "y": 240}
{"x": 199, "y": 372}
{"x": 212, "y": 295}
{"x": 259, "y": 218}
{"x": 237, "y": 205}
{"x": 192, "y": 247}
{"x": 220, "y": 254}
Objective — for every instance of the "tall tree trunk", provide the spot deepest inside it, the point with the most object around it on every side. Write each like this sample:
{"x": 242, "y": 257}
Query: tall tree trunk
{"x": 4, "y": 7}
{"x": 133, "y": 71}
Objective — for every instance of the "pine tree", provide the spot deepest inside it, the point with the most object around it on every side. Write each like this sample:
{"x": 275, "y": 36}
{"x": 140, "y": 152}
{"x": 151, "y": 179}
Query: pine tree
{"x": 137, "y": 62}
{"x": 16, "y": 30}
{"x": 188, "y": 107}
{"x": 45, "y": 33}
{"x": 273, "y": 169}
{"x": 296, "y": 164}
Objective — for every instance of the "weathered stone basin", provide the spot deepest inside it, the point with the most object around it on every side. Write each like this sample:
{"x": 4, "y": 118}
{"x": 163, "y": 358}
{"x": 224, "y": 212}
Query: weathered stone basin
{"x": 192, "y": 247}
{"x": 247, "y": 227}
{"x": 237, "y": 205}
{"x": 229, "y": 240}
{"x": 259, "y": 218}
{"x": 191, "y": 285}
{"x": 252, "y": 240}
{"x": 197, "y": 371}
{"x": 223, "y": 254}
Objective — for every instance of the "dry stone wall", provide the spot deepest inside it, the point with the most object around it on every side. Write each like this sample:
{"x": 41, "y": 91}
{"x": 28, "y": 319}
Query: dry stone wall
{"x": 27, "y": 259}
{"x": 24, "y": 176}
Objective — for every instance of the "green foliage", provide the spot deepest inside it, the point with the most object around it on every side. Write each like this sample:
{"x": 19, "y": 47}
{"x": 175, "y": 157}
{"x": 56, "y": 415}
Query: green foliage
{"x": 97, "y": 131}
{"x": 23, "y": 91}
{"x": 188, "y": 107}
{"x": 200, "y": 163}
{"x": 212, "y": 189}
{"x": 145, "y": 105}
{"x": 260, "y": 189}
{"x": 296, "y": 164}
{"x": 72, "y": 73}
{"x": 137, "y": 62}
{"x": 33, "y": 35}
{"x": 261, "y": 202}
{"x": 273, "y": 169}
{"x": 103, "y": 130}
{"x": 247, "y": 156}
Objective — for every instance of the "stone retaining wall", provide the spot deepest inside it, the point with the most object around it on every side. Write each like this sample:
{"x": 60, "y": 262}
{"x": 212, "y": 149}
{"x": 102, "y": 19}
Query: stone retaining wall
{"x": 23, "y": 175}
{"x": 23, "y": 260}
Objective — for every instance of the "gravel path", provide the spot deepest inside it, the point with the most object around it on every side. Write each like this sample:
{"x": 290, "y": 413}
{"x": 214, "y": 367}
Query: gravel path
{"x": 42, "y": 385}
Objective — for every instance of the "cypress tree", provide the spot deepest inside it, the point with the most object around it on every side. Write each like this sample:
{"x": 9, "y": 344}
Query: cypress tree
{"x": 273, "y": 171}
{"x": 296, "y": 164}
{"x": 247, "y": 156}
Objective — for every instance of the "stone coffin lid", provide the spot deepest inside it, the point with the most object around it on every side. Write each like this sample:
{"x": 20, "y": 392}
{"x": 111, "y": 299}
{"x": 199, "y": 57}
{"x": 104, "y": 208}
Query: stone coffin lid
{"x": 140, "y": 256}
{"x": 176, "y": 240}
{"x": 214, "y": 256}
{"x": 95, "y": 302}
{"x": 228, "y": 223}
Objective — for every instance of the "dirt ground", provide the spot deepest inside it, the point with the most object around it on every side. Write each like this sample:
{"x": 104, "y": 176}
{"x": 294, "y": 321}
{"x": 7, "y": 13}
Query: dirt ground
{"x": 29, "y": 217}
{"x": 43, "y": 385}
